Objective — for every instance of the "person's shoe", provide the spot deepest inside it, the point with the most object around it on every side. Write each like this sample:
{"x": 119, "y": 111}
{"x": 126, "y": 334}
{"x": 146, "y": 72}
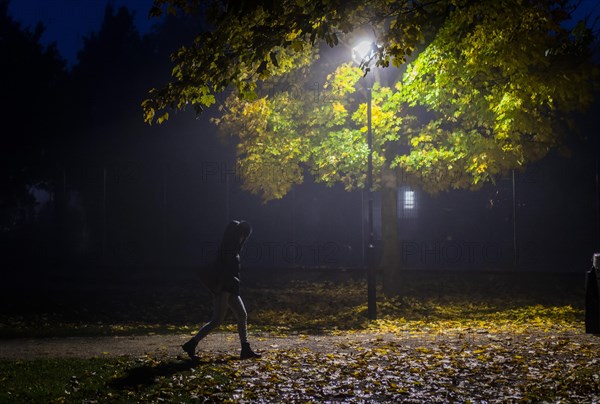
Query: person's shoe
{"x": 190, "y": 348}
{"x": 248, "y": 353}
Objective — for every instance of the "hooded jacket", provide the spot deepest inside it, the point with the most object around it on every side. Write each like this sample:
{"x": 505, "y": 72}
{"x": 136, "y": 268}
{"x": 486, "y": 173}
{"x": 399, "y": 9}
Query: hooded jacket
{"x": 225, "y": 272}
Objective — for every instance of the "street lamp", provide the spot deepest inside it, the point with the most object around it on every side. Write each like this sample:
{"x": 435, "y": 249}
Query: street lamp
{"x": 363, "y": 53}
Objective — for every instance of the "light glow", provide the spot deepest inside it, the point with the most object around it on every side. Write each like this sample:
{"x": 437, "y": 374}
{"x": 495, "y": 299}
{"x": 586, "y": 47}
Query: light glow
{"x": 362, "y": 51}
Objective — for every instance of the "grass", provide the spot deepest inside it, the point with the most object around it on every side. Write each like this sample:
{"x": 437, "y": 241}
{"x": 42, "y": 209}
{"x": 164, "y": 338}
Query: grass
{"x": 50, "y": 379}
{"x": 109, "y": 380}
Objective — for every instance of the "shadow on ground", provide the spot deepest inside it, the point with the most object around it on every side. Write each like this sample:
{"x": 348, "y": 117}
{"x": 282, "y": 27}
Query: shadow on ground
{"x": 149, "y": 374}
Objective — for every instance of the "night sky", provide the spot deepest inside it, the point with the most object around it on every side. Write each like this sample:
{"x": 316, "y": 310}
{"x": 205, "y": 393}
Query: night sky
{"x": 68, "y": 21}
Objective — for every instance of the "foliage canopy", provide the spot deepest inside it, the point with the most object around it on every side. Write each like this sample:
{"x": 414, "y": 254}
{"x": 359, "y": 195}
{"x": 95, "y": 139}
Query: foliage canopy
{"x": 490, "y": 92}
{"x": 251, "y": 41}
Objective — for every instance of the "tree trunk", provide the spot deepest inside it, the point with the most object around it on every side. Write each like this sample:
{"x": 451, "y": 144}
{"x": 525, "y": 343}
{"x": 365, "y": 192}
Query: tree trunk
{"x": 390, "y": 260}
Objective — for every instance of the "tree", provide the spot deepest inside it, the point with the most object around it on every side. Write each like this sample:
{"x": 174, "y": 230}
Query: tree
{"x": 476, "y": 102}
{"x": 108, "y": 63}
{"x": 30, "y": 104}
{"x": 498, "y": 83}
{"x": 252, "y": 41}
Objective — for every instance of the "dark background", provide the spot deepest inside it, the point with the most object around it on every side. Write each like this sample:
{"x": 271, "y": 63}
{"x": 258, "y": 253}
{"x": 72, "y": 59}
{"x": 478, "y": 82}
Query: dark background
{"x": 86, "y": 188}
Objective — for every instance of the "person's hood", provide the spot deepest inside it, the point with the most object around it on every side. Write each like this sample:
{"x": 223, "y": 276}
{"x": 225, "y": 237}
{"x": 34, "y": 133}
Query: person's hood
{"x": 231, "y": 237}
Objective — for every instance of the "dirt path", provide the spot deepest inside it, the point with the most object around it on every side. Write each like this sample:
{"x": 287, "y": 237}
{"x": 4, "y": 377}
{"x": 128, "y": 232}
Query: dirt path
{"x": 156, "y": 345}
{"x": 227, "y": 343}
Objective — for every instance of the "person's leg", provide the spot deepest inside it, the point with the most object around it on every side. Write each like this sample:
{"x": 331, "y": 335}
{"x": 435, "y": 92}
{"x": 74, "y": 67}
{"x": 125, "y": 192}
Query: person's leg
{"x": 237, "y": 306}
{"x": 220, "y": 306}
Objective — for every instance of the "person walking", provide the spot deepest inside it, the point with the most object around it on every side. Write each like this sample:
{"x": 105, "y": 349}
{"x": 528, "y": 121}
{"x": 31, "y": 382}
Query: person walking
{"x": 222, "y": 278}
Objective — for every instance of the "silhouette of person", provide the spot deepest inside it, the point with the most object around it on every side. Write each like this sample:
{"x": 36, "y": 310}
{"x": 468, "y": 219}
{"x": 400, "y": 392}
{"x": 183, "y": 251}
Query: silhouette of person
{"x": 223, "y": 280}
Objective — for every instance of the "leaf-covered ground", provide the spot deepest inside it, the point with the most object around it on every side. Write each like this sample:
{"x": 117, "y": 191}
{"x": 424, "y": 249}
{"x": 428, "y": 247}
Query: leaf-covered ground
{"x": 122, "y": 307}
{"x": 457, "y": 344}
{"x": 456, "y": 365}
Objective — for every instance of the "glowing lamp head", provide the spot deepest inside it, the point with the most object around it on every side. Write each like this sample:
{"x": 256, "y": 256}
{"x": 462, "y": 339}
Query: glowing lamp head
{"x": 363, "y": 51}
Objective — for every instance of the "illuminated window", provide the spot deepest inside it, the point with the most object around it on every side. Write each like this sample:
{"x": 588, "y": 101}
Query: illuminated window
{"x": 409, "y": 200}
{"x": 407, "y": 203}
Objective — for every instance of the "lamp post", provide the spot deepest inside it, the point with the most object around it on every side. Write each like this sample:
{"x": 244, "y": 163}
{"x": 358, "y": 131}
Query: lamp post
{"x": 363, "y": 53}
